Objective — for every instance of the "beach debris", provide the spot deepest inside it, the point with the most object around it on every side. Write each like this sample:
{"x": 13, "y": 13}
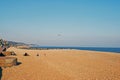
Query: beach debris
{"x": 2, "y": 55}
{"x": 7, "y": 53}
{"x": 26, "y": 54}
{"x": 8, "y": 61}
{"x": 13, "y": 53}
{"x": 4, "y": 49}
{"x": 37, "y": 55}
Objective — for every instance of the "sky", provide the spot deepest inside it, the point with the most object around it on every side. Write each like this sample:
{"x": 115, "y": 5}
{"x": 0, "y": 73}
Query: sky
{"x": 85, "y": 23}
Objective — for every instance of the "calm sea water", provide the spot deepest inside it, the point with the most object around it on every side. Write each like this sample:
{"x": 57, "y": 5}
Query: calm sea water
{"x": 117, "y": 50}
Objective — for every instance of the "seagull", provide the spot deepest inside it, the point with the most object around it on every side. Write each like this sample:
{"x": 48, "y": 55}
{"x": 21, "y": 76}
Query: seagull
{"x": 58, "y": 34}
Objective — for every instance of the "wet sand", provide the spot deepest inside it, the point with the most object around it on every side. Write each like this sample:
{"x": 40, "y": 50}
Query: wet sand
{"x": 63, "y": 65}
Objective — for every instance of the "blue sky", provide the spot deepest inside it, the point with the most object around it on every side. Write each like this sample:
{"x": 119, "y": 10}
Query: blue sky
{"x": 61, "y": 22}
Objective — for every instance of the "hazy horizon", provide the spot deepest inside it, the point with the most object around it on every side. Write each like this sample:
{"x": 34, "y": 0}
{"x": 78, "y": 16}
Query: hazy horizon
{"x": 86, "y": 23}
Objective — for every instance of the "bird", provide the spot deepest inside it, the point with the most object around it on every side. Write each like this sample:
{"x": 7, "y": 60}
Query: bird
{"x": 58, "y": 34}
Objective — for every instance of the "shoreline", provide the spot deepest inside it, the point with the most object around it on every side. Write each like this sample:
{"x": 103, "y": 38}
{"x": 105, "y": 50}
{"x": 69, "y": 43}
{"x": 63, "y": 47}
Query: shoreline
{"x": 98, "y": 49}
{"x": 73, "y": 48}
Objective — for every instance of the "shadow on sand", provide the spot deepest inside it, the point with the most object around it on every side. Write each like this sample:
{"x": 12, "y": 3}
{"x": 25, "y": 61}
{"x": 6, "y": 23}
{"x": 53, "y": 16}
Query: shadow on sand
{"x": 18, "y": 63}
{"x": 0, "y": 73}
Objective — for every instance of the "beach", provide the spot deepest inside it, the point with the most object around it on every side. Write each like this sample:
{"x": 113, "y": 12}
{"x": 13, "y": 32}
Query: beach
{"x": 63, "y": 64}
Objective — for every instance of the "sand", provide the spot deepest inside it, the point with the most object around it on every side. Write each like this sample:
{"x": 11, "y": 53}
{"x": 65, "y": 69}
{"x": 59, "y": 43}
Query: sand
{"x": 63, "y": 65}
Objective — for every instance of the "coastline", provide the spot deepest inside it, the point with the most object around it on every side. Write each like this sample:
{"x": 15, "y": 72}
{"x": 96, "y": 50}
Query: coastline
{"x": 98, "y": 49}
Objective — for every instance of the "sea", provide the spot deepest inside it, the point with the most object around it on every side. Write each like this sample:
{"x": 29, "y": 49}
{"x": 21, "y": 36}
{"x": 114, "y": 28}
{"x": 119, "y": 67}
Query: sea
{"x": 101, "y": 49}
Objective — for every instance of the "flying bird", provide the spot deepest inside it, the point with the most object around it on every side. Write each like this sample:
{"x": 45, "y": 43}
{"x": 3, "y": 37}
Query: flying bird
{"x": 58, "y": 34}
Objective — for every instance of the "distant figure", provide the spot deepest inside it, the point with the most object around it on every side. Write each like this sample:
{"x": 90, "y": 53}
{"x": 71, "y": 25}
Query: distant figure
{"x": 37, "y": 54}
{"x": 26, "y": 54}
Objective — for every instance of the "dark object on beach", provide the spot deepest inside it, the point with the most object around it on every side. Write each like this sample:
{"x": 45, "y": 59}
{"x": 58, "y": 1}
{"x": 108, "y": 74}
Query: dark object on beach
{"x": 1, "y": 54}
{"x": 7, "y": 53}
{"x": 13, "y": 53}
{"x": 8, "y": 61}
{"x": 37, "y": 54}
{"x": 4, "y": 49}
{"x": 26, "y": 54}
